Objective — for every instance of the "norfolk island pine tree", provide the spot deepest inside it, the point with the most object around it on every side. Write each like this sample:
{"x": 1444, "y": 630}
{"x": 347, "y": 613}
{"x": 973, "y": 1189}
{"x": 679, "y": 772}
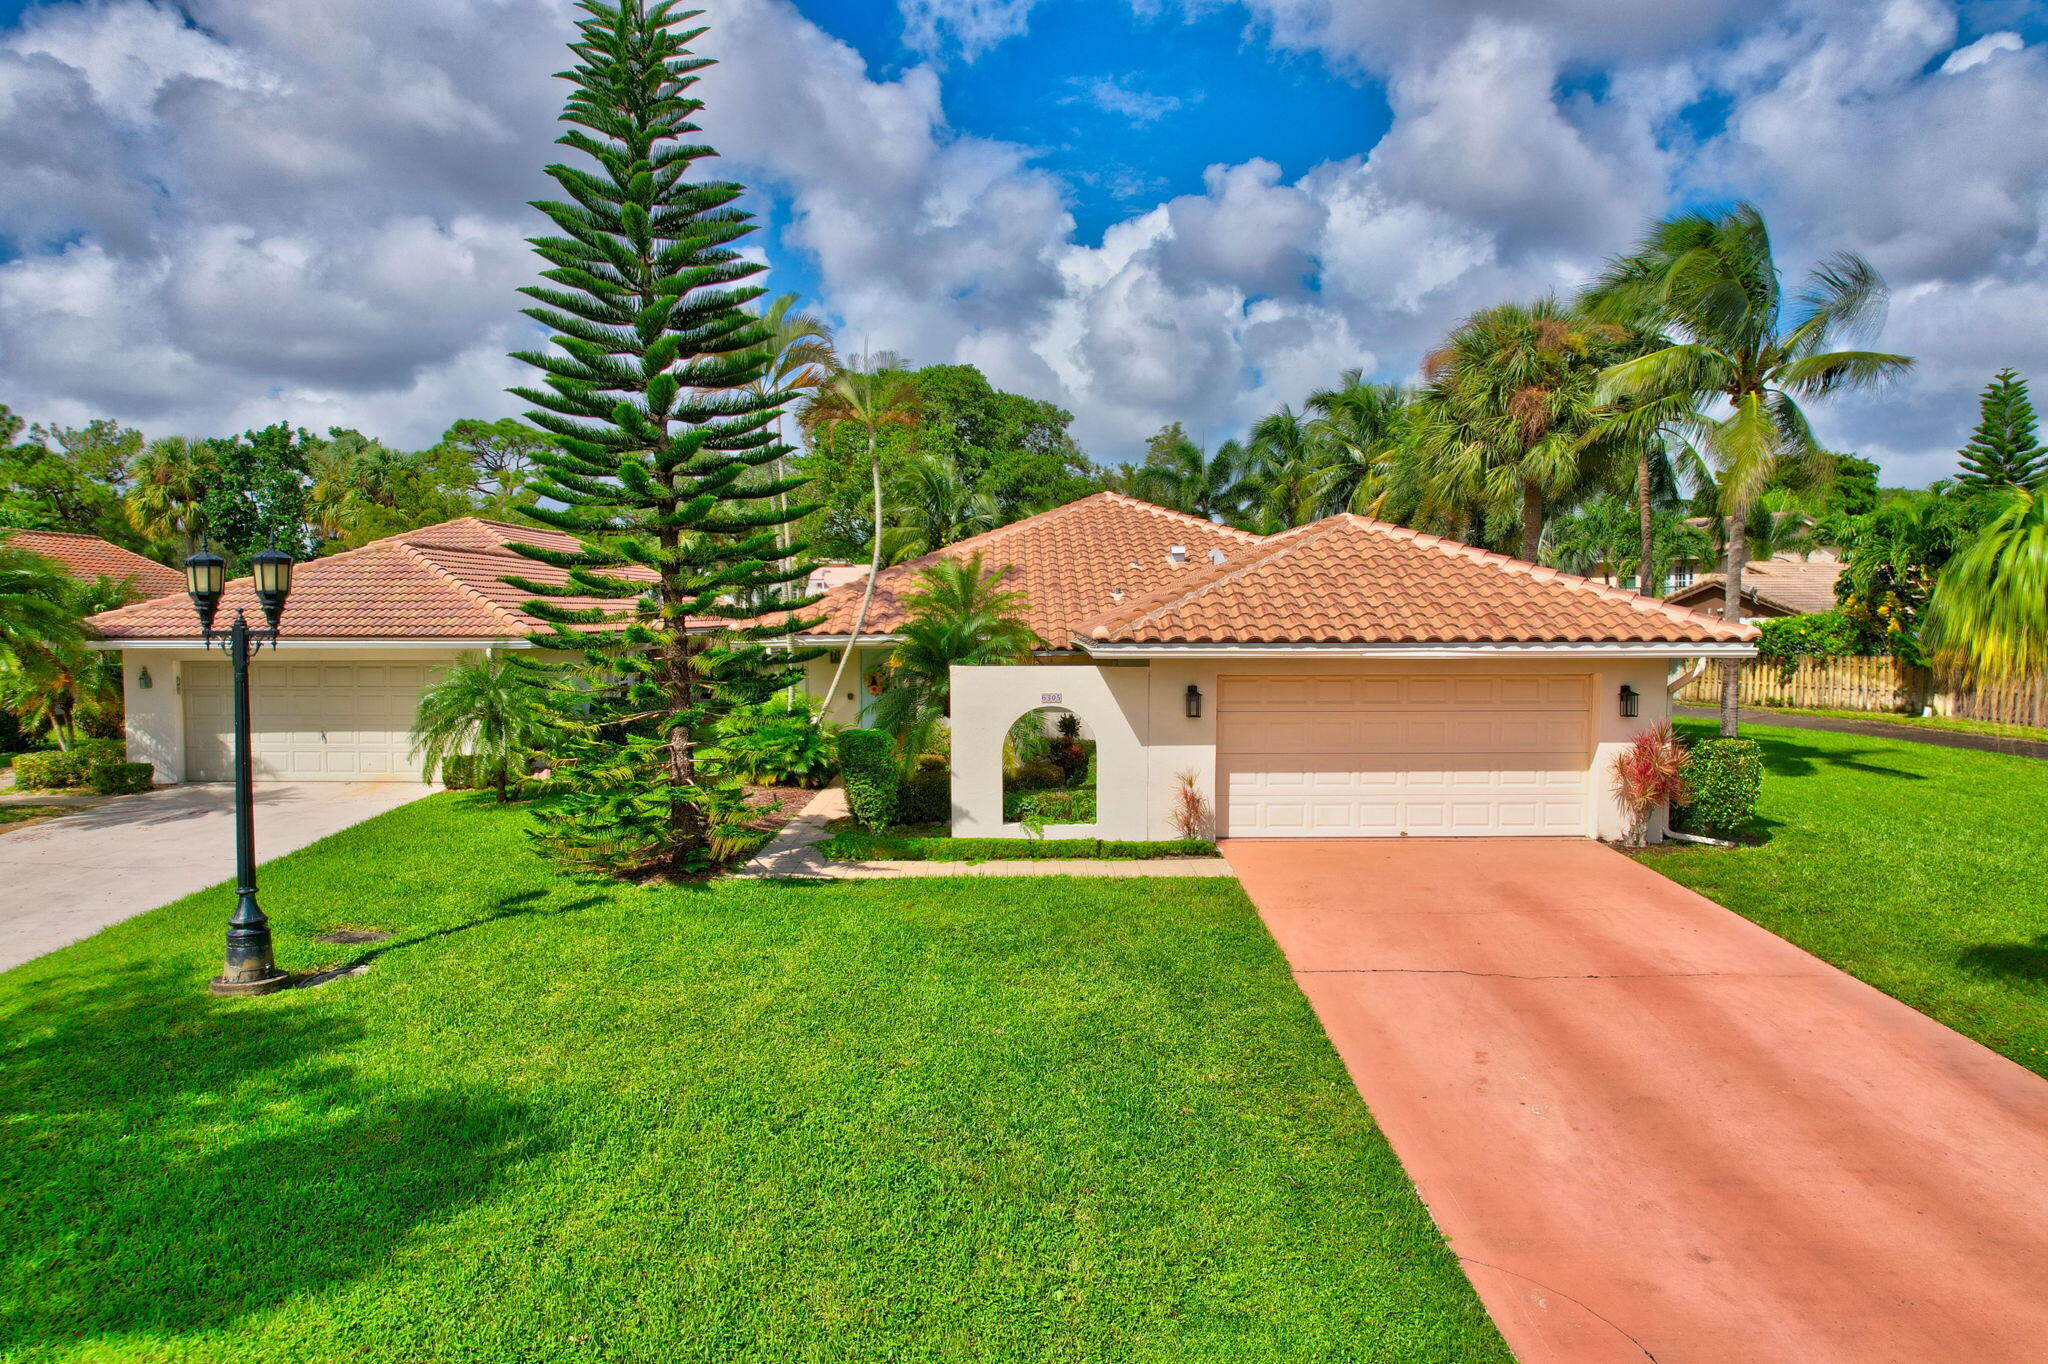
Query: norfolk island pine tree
{"x": 666, "y": 468}
{"x": 2005, "y": 450}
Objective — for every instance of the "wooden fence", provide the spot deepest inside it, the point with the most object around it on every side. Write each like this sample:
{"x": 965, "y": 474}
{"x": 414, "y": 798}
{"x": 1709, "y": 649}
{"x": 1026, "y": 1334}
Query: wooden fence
{"x": 1876, "y": 684}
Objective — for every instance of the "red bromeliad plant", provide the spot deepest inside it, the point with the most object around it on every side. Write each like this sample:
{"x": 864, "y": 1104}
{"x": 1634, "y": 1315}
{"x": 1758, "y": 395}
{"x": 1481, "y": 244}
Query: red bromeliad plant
{"x": 1648, "y": 773}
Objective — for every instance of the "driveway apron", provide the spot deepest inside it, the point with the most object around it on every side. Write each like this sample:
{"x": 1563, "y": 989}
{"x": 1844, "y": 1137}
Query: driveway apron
{"x": 67, "y": 878}
{"x": 1652, "y": 1130}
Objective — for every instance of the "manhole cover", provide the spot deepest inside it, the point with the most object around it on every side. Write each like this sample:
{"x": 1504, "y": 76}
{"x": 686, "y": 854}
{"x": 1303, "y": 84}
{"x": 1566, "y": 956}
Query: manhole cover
{"x": 353, "y": 935}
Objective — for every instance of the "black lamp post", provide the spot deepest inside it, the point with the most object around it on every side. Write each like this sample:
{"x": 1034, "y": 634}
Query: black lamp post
{"x": 249, "y": 969}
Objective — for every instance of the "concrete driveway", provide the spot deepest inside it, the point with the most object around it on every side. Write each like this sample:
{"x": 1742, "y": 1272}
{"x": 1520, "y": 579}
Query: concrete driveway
{"x": 1651, "y": 1130}
{"x": 68, "y": 878}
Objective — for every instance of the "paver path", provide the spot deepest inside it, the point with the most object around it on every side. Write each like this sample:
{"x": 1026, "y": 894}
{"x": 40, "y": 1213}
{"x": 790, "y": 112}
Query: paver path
{"x": 1652, "y": 1130}
{"x": 68, "y": 878}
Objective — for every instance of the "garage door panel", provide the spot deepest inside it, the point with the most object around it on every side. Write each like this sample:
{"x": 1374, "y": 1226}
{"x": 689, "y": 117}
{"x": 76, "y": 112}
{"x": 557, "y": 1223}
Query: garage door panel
{"x": 1419, "y": 755}
{"x": 309, "y": 721}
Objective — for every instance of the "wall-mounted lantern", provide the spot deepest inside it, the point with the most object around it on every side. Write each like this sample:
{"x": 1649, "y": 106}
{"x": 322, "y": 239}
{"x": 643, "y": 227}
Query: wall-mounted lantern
{"x": 142, "y": 680}
{"x": 1194, "y": 702}
{"x": 1631, "y": 702}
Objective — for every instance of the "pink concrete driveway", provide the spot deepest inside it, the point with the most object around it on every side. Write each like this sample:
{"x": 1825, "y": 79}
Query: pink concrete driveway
{"x": 1650, "y": 1129}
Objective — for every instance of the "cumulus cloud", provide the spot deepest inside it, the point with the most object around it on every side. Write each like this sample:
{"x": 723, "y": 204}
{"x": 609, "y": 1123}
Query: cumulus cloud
{"x": 317, "y": 213}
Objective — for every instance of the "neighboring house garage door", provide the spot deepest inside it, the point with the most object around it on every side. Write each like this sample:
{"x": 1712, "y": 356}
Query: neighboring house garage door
{"x": 311, "y": 721}
{"x": 1338, "y": 757}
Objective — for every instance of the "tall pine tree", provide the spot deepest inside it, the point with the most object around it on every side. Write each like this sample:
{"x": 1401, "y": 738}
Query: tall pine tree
{"x": 664, "y": 467}
{"x": 2005, "y": 450}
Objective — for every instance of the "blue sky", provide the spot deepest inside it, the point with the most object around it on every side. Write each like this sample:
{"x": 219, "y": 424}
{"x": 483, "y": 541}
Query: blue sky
{"x": 1146, "y": 210}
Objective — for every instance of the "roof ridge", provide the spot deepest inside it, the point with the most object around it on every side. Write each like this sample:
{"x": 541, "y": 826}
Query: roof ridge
{"x": 419, "y": 552}
{"x": 1176, "y": 594}
{"x": 1540, "y": 572}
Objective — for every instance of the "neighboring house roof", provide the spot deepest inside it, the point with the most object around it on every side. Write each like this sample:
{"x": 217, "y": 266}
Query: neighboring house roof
{"x": 88, "y": 556}
{"x": 1797, "y": 587}
{"x": 825, "y": 577}
{"x": 437, "y": 582}
{"x": 1353, "y": 580}
{"x": 1071, "y": 563}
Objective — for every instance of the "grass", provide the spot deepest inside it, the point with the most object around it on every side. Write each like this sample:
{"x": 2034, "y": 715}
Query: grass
{"x": 1947, "y": 722}
{"x": 21, "y": 814}
{"x": 857, "y": 845}
{"x": 1915, "y": 868}
{"x": 562, "y": 1120}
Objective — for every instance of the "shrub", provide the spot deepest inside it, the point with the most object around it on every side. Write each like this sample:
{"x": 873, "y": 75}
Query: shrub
{"x": 1648, "y": 773}
{"x": 458, "y": 772}
{"x": 867, "y": 759}
{"x": 1724, "y": 776}
{"x": 1192, "y": 816}
{"x": 55, "y": 769}
{"x": 1038, "y": 775}
{"x": 926, "y": 798}
{"x": 778, "y": 742}
{"x": 1824, "y": 634}
{"x": 121, "y": 779}
{"x": 1036, "y": 809}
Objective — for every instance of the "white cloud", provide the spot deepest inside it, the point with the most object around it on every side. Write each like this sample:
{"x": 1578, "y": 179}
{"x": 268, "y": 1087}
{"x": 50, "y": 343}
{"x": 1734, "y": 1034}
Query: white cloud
{"x": 974, "y": 26}
{"x": 1118, "y": 95}
{"x": 1981, "y": 51}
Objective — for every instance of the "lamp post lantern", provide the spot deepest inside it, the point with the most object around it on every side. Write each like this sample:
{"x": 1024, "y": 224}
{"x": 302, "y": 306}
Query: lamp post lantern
{"x": 249, "y": 967}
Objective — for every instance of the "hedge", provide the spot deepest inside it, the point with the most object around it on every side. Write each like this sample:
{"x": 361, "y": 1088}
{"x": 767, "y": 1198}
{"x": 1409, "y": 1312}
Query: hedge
{"x": 121, "y": 779}
{"x": 1725, "y": 776}
{"x": 854, "y": 846}
{"x": 867, "y": 761}
{"x": 56, "y": 770}
{"x": 927, "y": 798}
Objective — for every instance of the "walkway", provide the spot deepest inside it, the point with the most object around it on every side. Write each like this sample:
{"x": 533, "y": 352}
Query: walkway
{"x": 67, "y": 878}
{"x": 1653, "y": 1131}
{"x": 1878, "y": 729}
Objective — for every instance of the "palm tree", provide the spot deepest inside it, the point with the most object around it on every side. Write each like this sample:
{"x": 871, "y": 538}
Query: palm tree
{"x": 1988, "y": 618}
{"x": 32, "y": 601}
{"x": 1358, "y": 431}
{"x": 935, "y": 507}
{"x": 800, "y": 357}
{"x": 960, "y": 615}
{"x": 1712, "y": 281}
{"x": 1182, "y": 476}
{"x": 167, "y": 501}
{"x": 870, "y": 399}
{"x": 1285, "y": 471}
{"x": 50, "y": 678}
{"x": 1508, "y": 420}
{"x": 483, "y": 707}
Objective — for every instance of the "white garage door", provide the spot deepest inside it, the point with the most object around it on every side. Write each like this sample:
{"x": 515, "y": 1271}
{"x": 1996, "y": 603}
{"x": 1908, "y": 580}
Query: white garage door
{"x": 311, "y": 721}
{"x": 1337, "y": 756}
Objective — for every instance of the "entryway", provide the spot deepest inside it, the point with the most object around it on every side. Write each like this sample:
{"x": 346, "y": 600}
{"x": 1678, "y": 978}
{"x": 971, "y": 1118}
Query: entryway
{"x": 1650, "y": 1129}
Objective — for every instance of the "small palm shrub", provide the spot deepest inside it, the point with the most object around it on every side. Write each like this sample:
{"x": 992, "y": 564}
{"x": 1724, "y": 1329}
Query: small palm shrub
{"x": 1725, "y": 777}
{"x": 1648, "y": 773}
{"x": 484, "y": 708}
{"x": 867, "y": 760}
{"x": 780, "y": 742}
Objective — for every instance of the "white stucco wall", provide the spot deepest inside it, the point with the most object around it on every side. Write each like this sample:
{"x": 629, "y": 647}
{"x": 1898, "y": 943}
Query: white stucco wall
{"x": 1144, "y": 736}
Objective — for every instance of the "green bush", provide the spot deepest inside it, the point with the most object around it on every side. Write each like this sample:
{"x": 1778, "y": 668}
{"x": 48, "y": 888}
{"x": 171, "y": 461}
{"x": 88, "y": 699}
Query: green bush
{"x": 458, "y": 772}
{"x": 778, "y": 742}
{"x": 1051, "y": 807}
{"x": 926, "y": 798}
{"x": 121, "y": 779}
{"x": 1824, "y": 634}
{"x": 1038, "y": 775}
{"x": 867, "y": 759}
{"x": 1725, "y": 776}
{"x": 56, "y": 770}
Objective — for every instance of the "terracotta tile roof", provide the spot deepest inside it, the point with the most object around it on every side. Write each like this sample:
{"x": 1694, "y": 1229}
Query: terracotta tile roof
{"x": 88, "y": 556}
{"x": 1072, "y": 563}
{"x": 1801, "y": 587}
{"x": 1351, "y": 580}
{"x": 437, "y": 582}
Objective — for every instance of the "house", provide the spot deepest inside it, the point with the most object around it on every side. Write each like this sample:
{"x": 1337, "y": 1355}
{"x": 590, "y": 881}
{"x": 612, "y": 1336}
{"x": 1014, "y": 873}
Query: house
{"x": 1346, "y": 678}
{"x": 89, "y": 557}
{"x": 1770, "y": 588}
{"x": 362, "y": 635}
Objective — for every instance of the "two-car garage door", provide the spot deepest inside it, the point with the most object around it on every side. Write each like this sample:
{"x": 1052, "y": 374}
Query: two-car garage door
{"x": 1430, "y": 756}
{"x": 310, "y": 721}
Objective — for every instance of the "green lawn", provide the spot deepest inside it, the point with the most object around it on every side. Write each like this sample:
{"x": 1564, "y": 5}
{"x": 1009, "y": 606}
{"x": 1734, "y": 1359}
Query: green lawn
{"x": 18, "y": 814}
{"x": 562, "y": 1120}
{"x": 1922, "y": 870}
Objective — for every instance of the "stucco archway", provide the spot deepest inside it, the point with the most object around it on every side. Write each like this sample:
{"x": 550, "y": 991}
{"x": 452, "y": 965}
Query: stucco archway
{"x": 1110, "y": 702}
